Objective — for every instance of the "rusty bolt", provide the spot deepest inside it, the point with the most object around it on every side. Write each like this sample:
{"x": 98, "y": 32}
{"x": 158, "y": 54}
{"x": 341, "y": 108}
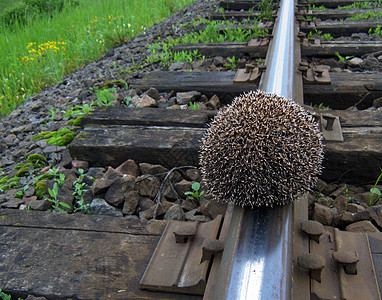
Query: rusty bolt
{"x": 319, "y": 72}
{"x": 313, "y": 229}
{"x": 182, "y": 233}
{"x": 312, "y": 262}
{"x": 303, "y": 70}
{"x": 248, "y": 68}
{"x": 262, "y": 67}
{"x": 301, "y": 36}
{"x": 348, "y": 259}
{"x": 210, "y": 247}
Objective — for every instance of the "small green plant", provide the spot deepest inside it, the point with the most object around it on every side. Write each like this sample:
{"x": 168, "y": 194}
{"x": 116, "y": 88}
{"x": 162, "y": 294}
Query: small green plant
{"x": 58, "y": 177}
{"x": 363, "y": 4}
{"x": 105, "y": 97}
{"x": 194, "y": 105}
{"x": 368, "y": 15}
{"x": 232, "y": 63}
{"x": 318, "y": 33}
{"x": 194, "y": 195}
{"x": 376, "y": 31}
{"x": 375, "y": 192}
{"x": 309, "y": 18}
{"x": 348, "y": 197}
{"x": 321, "y": 7}
{"x": 79, "y": 190}
{"x": 320, "y": 106}
{"x": 342, "y": 58}
{"x": 52, "y": 112}
{"x": 56, "y": 203}
{"x": 5, "y": 296}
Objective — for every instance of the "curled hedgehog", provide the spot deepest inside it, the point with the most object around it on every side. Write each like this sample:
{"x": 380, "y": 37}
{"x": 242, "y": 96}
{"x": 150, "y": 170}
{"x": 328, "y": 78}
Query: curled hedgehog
{"x": 262, "y": 150}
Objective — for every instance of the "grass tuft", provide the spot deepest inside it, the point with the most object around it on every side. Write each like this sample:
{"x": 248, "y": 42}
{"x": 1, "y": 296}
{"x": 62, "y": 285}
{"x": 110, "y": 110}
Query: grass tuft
{"x": 40, "y": 50}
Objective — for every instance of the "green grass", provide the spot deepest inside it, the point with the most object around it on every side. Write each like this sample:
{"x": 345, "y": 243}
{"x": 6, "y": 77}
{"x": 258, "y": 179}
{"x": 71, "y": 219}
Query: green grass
{"x": 38, "y": 55}
{"x": 7, "y": 4}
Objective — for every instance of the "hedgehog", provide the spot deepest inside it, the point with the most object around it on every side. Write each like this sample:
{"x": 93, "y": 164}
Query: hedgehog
{"x": 262, "y": 150}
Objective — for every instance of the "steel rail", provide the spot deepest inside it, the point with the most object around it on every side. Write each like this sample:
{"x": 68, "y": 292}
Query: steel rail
{"x": 257, "y": 259}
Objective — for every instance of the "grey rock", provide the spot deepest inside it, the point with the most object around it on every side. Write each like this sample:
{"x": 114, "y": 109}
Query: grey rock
{"x": 144, "y": 101}
{"x": 66, "y": 159}
{"x": 176, "y": 106}
{"x": 115, "y": 194}
{"x": 182, "y": 187}
{"x": 147, "y": 185}
{"x": 354, "y": 208}
{"x": 12, "y": 203}
{"x": 65, "y": 195}
{"x": 145, "y": 203}
{"x": 377, "y": 102}
{"x": 375, "y": 213}
{"x": 321, "y": 186}
{"x": 195, "y": 215}
{"x": 371, "y": 63}
{"x": 187, "y": 97}
{"x": 363, "y": 197}
{"x": 129, "y": 167}
{"x": 80, "y": 164}
{"x": 149, "y": 213}
{"x": 362, "y": 226}
{"x": 339, "y": 191}
{"x": 343, "y": 219}
{"x": 131, "y": 93}
{"x": 323, "y": 214}
{"x": 149, "y": 169}
{"x": 341, "y": 203}
{"x": 31, "y": 297}
{"x": 193, "y": 174}
{"x": 156, "y": 226}
{"x": 355, "y": 62}
{"x": 175, "y": 212}
{"x": 176, "y": 66}
{"x": 101, "y": 185}
{"x": 40, "y": 204}
{"x": 213, "y": 208}
{"x": 131, "y": 202}
{"x": 213, "y": 103}
{"x": 100, "y": 207}
{"x": 35, "y": 105}
{"x": 327, "y": 201}
{"x": 218, "y": 61}
{"x": 96, "y": 173}
{"x": 188, "y": 205}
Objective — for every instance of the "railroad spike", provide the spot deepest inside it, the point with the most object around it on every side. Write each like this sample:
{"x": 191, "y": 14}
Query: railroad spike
{"x": 312, "y": 262}
{"x": 313, "y": 229}
{"x": 348, "y": 259}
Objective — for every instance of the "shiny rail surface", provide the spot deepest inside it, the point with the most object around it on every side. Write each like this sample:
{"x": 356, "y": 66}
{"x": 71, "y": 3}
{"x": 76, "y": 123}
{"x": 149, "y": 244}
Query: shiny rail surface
{"x": 257, "y": 261}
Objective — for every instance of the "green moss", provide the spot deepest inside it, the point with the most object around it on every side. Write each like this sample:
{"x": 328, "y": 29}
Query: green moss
{"x": 119, "y": 83}
{"x": 4, "y": 180}
{"x": 22, "y": 172}
{"x": 36, "y": 157}
{"x": 40, "y": 189}
{"x": 61, "y": 140}
{"x": 75, "y": 122}
{"x": 61, "y": 137}
{"x": 46, "y": 175}
{"x": 19, "y": 195}
{"x": 18, "y": 166}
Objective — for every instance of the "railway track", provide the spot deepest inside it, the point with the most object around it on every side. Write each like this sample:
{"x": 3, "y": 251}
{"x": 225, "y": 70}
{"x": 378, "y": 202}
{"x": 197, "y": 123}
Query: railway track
{"x": 277, "y": 253}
